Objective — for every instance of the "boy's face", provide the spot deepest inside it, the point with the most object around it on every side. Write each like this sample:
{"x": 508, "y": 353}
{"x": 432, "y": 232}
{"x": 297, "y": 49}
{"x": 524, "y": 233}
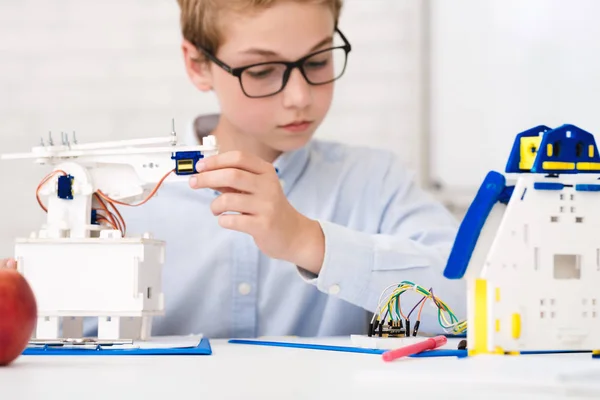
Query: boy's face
{"x": 284, "y": 32}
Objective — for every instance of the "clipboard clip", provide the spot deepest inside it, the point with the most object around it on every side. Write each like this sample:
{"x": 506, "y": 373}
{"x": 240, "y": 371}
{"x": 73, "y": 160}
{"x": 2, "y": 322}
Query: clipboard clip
{"x": 78, "y": 342}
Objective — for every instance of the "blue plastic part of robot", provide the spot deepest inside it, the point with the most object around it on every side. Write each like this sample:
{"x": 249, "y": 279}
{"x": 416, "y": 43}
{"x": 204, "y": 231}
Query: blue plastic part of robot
{"x": 506, "y": 194}
{"x": 548, "y": 186}
{"x": 571, "y": 146}
{"x": 512, "y": 166}
{"x": 65, "y": 187}
{"x": 488, "y": 195}
{"x": 187, "y": 158}
{"x": 569, "y": 143}
{"x": 587, "y": 187}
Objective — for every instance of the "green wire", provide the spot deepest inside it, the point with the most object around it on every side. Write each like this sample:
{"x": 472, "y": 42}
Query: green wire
{"x": 419, "y": 289}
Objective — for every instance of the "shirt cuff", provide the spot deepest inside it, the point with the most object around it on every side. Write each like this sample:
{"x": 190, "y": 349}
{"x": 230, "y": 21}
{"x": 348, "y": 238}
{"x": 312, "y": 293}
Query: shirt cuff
{"x": 347, "y": 264}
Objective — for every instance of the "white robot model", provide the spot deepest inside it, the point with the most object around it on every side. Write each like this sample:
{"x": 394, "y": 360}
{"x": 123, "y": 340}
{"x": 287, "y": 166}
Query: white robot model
{"x": 530, "y": 250}
{"x": 81, "y": 263}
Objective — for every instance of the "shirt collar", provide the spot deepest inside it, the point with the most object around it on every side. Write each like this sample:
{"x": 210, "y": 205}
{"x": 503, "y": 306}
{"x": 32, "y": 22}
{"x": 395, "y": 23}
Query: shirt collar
{"x": 289, "y": 165}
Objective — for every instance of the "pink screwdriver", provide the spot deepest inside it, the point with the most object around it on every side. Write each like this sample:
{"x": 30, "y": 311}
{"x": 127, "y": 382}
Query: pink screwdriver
{"x": 427, "y": 344}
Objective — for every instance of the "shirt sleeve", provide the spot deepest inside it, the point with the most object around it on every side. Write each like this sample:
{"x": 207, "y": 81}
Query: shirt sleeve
{"x": 413, "y": 242}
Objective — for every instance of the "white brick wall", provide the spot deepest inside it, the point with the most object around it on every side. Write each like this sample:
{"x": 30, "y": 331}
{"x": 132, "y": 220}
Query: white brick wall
{"x": 113, "y": 69}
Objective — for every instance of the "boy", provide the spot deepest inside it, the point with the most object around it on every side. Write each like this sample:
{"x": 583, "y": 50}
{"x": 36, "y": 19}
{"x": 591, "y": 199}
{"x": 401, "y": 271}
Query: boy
{"x": 281, "y": 234}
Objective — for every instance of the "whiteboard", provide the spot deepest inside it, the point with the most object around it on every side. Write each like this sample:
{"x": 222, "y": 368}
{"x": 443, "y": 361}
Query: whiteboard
{"x": 499, "y": 67}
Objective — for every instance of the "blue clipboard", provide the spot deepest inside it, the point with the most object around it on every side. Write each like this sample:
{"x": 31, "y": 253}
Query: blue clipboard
{"x": 203, "y": 349}
{"x": 349, "y": 349}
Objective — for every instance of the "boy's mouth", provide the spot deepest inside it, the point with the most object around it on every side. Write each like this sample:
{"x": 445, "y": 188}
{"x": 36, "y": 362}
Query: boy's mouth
{"x": 297, "y": 126}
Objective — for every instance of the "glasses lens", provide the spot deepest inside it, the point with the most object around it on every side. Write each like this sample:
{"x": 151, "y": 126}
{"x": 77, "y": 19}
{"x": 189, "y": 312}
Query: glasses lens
{"x": 325, "y": 66}
{"x": 263, "y": 80}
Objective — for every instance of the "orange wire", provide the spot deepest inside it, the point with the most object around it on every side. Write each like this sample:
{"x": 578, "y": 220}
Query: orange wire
{"x": 112, "y": 202}
{"x": 108, "y": 199}
{"x": 421, "y": 308}
{"x": 42, "y": 183}
{"x": 400, "y": 308}
{"x": 113, "y": 221}
{"x": 119, "y": 217}
{"x": 117, "y": 222}
{"x": 102, "y": 218}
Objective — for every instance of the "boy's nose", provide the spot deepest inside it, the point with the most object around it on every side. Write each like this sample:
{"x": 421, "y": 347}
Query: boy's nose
{"x": 297, "y": 93}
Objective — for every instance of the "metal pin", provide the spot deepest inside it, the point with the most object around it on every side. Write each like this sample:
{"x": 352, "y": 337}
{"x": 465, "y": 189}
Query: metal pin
{"x": 74, "y": 138}
{"x": 42, "y": 141}
{"x": 173, "y": 134}
{"x": 62, "y": 138}
{"x": 67, "y": 140}
{"x": 50, "y": 141}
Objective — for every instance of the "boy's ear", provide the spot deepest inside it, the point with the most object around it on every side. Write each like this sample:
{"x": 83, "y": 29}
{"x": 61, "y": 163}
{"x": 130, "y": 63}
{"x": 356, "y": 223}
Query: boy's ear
{"x": 197, "y": 67}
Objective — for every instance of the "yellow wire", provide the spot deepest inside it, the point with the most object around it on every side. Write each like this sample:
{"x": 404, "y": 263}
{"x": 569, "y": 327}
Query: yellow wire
{"x": 444, "y": 309}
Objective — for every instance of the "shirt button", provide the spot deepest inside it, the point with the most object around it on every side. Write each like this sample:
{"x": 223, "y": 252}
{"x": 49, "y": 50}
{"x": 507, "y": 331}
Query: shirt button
{"x": 334, "y": 289}
{"x": 244, "y": 289}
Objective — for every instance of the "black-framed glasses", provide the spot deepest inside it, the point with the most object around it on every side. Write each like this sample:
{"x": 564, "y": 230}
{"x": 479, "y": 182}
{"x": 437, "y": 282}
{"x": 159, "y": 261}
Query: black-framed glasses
{"x": 269, "y": 78}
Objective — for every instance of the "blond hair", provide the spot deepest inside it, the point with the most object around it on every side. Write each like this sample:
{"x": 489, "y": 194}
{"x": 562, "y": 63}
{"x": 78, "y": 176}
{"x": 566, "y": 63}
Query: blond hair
{"x": 200, "y": 23}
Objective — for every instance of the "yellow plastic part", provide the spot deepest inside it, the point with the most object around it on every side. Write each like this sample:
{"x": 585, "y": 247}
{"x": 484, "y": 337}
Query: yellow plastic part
{"x": 512, "y": 353}
{"x": 481, "y": 317}
{"x": 549, "y": 150}
{"x": 529, "y": 148}
{"x": 558, "y": 165}
{"x": 596, "y": 352}
{"x": 516, "y": 326}
{"x": 588, "y": 166}
{"x": 497, "y": 295}
{"x": 591, "y": 150}
{"x": 185, "y": 165}
{"x": 497, "y": 325}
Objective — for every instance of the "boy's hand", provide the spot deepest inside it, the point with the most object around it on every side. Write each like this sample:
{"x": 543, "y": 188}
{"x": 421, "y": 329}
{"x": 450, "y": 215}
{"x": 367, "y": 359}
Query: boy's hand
{"x": 250, "y": 186}
{"x": 8, "y": 263}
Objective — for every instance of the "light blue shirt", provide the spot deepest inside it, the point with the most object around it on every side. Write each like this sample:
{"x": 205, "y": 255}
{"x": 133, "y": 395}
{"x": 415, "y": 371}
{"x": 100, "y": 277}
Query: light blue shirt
{"x": 379, "y": 227}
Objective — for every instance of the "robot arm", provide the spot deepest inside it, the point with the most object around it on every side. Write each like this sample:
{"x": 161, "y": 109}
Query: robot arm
{"x": 479, "y": 227}
{"x": 87, "y": 179}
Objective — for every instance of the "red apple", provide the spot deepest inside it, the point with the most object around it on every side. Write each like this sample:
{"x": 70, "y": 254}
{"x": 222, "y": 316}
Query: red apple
{"x": 18, "y": 314}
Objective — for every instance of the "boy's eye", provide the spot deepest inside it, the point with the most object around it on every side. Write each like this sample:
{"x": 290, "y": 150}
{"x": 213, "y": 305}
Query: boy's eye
{"x": 260, "y": 72}
{"x": 315, "y": 64}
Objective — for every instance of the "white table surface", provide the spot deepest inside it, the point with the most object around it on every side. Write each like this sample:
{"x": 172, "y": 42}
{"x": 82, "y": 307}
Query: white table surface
{"x": 236, "y": 371}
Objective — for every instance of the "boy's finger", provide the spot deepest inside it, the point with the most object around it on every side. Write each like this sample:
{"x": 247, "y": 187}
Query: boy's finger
{"x": 230, "y": 178}
{"x": 238, "y": 222}
{"x": 226, "y": 190}
{"x": 234, "y": 159}
{"x": 234, "y": 202}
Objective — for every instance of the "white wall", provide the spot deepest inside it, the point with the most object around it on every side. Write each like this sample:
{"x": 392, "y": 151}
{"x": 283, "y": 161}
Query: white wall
{"x": 112, "y": 69}
{"x": 499, "y": 67}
